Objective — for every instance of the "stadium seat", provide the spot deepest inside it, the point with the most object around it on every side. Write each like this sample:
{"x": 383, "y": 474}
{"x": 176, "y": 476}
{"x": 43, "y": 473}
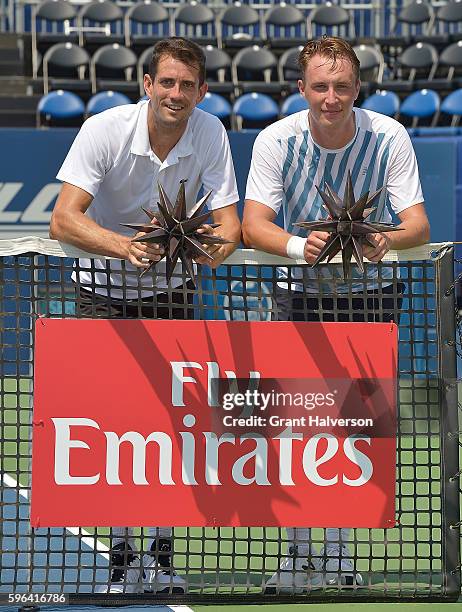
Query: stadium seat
{"x": 68, "y": 64}
{"x": 218, "y": 71}
{"x": 62, "y": 106}
{"x": 50, "y": 23}
{"x": 238, "y": 26}
{"x": 452, "y": 105}
{"x": 451, "y": 58}
{"x": 196, "y": 21}
{"x": 254, "y": 69}
{"x": 423, "y": 104}
{"x": 285, "y": 26}
{"x": 371, "y": 63}
{"x": 415, "y": 67}
{"x": 112, "y": 67}
{"x": 293, "y": 104}
{"x": 412, "y": 20}
{"x": 450, "y": 15}
{"x": 330, "y": 19}
{"x": 100, "y": 22}
{"x": 104, "y": 100}
{"x": 145, "y": 22}
{"x": 385, "y": 102}
{"x": 289, "y": 70}
{"x": 256, "y": 109}
{"x": 419, "y": 16}
{"x": 216, "y": 105}
{"x": 371, "y": 68}
{"x": 142, "y": 67}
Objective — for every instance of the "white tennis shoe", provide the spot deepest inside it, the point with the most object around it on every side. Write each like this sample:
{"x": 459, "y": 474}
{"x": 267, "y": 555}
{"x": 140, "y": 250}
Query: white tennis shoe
{"x": 295, "y": 575}
{"x": 158, "y": 573}
{"x": 336, "y": 561}
{"x": 160, "y": 579}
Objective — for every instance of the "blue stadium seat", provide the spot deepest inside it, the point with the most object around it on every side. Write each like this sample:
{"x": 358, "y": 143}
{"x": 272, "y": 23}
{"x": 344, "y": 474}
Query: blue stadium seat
{"x": 385, "y": 102}
{"x": 255, "y": 108}
{"x": 452, "y": 105}
{"x": 216, "y": 105}
{"x": 423, "y": 104}
{"x": 104, "y": 100}
{"x": 60, "y": 105}
{"x": 293, "y": 104}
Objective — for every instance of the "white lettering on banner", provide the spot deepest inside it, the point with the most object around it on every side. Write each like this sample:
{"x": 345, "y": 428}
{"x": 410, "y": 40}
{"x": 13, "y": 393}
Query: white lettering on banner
{"x": 310, "y": 463}
{"x": 139, "y": 444}
{"x": 213, "y": 374}
{"x": 260, "y": 455}
{"x": 62, "y": 451}
{"x": 285, "y": 455}
{"x": 359, "y": 459}
{"x": 178, "y": 379}
{"x": 257, "y": 458}
{"x": 212, "y": 443}
{"x": 36, "y": 210}
{"x": 188, "y": 461}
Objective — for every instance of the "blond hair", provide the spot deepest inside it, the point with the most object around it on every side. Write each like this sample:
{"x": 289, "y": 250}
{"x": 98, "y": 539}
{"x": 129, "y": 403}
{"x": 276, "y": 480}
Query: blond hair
{"x": 332, "y": 49}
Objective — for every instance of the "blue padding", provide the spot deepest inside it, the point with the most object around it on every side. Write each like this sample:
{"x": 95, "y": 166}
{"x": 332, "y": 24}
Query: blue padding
{"x": 436, "y": 131}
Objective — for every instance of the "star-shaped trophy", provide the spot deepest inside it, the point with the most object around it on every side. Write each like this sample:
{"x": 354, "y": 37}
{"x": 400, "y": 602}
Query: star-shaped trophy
{"x": 177, "y": 231}
{"x": 347, "y": 224}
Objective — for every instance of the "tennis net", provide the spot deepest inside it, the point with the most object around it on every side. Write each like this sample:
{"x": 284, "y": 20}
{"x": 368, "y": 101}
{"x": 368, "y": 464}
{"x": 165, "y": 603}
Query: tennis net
{"x": 418, "y": 558}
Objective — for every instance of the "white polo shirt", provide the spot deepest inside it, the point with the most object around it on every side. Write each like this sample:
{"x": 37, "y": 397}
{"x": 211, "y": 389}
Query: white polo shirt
{"x": 111, "y": 159}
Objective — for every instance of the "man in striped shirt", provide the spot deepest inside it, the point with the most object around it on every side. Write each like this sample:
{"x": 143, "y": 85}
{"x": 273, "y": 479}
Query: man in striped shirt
{"x": 290, "y": 158}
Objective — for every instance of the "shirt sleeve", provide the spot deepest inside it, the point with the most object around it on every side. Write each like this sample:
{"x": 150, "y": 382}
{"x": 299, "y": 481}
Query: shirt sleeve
{"x": 403, "y": 184}
{"x": 264, "y": 183}
{"x": 218, "y": 172}
{"x": 87, "y": 162}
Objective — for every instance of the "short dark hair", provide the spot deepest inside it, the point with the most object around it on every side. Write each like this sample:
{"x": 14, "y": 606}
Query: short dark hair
{"x": 181, "y": 49}
{"x": 332, "y": 49}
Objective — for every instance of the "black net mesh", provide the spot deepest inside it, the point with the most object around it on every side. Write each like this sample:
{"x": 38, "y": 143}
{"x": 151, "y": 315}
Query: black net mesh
{"x": 417, "y": 558}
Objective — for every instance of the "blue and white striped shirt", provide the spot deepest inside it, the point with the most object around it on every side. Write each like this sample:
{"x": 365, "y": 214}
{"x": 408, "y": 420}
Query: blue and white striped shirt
{"x": 287, "y": 165}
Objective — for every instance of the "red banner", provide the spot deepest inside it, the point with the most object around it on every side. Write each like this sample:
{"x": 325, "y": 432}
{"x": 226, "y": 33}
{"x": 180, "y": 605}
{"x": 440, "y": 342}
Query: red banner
{"x": 195, "y": 423}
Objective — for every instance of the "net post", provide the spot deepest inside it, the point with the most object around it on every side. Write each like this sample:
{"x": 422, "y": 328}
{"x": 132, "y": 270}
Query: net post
{"x": 447, "y": 366}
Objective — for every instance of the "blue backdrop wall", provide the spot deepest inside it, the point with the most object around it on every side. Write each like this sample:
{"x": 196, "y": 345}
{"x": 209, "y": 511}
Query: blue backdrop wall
{"x": 30, "y": 159}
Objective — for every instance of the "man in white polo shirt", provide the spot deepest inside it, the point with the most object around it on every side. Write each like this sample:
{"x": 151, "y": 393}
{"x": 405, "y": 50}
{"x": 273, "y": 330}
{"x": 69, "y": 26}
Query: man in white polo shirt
{"x": 290, "y": 159}
{"x": 111, "y": 171}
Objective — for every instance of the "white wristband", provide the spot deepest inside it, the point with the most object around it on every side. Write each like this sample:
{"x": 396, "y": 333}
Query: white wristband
{"x": 296, "y": 247}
